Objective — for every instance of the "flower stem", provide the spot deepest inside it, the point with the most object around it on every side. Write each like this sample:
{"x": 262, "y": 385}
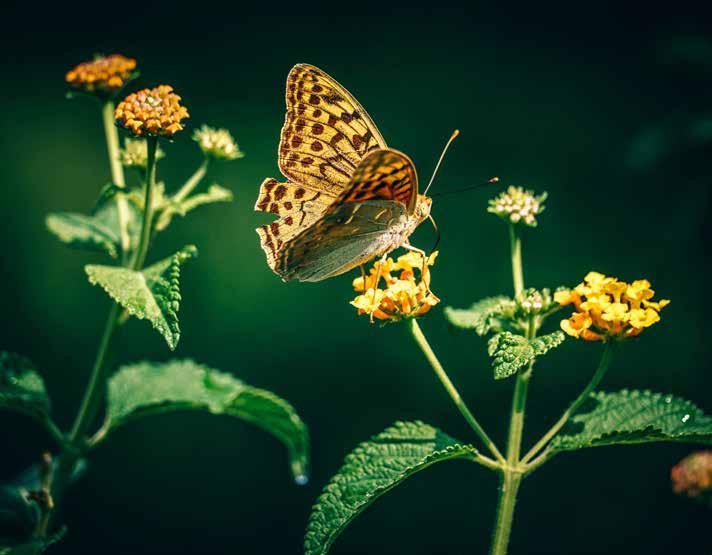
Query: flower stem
{"x": 512, "y": 474}
{"x": 515, "y": 242}
{"x": 75, "y": 444}
{"x": 422, "y": 342}
{"x": 603, "y": 366}
{"x": 142, "y": 249}
{"x": 117, "y": 175}
{"x": 187, "y": 188}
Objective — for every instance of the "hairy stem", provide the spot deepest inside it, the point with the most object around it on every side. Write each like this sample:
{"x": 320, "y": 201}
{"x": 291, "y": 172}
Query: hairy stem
{"x": 117, "y": 176}
{"x": 187, "y": 188}
{"x": 512, "y": 475}
{"x": 603, "y": 366}
{"x": 145, "y": 238}
{"x": 515, "y": 242}
{"x": 75, "y": 443}
{"x": 422, "y": 342}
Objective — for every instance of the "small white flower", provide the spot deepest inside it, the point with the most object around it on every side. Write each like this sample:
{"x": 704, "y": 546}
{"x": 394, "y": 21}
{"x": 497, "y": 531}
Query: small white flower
{"x": 518, "y": 205}
{"x": 218, "y": 143}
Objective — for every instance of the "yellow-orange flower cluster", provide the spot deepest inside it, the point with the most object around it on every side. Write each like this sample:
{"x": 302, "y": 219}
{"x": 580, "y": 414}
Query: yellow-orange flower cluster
{"x": 106, "y": 74}
{"x": 692, "y": 476}
{"x": 608, "y": 308}
{"x": 403, "y": 296}
{"x": 155, "y": 112}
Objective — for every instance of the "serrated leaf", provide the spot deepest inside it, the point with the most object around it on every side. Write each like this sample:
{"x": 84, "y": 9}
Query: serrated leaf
{"x": 215, "y": 193}
{"x": 509, "y": 353}
{"x": 21, "y": 387}
{"x": 98, "y": 232}
{"x": 82, "y": 231}
{"x": 144, "y": 389}
{"x": 628, "y": 417}
{"x": 545, "y": 343}
{"x": 371, "y": 470}
{"x": 483, "y": 316}
{"x": 153, "y": 293}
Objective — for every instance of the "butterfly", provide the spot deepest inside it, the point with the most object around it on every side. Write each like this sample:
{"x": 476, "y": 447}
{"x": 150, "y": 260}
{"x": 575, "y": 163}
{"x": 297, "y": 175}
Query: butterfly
{"x": 348, "y": 197}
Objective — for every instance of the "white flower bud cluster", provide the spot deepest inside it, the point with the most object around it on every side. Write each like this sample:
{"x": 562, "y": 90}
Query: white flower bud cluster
{"x": 135, "y": 154}
{"x": 518, "y": 205}
{"x": 218, "y": 143}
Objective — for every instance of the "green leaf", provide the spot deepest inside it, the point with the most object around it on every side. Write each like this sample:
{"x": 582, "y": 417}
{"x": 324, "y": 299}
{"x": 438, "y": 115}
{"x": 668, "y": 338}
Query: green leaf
{"x": 143, "y": 389}
{"x": 21, "y": 387}
{"x": 215, "y": 193}
{"x": 483, "y": 316}
{"x": 33, "y": 547}
{"x": 544, "y": 343}
{"x": 628, "y": 417}
{"x": 510, "y": 351}
{"x": 98, "y": 232}
{"x": 82, "y": 231}
{"x": 371, "y": 470}
{"x": 153, "y": 293}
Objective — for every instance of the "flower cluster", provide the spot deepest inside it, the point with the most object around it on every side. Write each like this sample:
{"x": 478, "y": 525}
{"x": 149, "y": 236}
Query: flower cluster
{"x": 608, "y": 308}
{"x": 692, "y": 476}
{"x": 105, "y": 74}
{"x": 217, "y": 143}
{"x": 517, "y": 205}
{"x": 135, "y": 153}
{"x": 155, "y": 112}
{"x": 403, "y": 296}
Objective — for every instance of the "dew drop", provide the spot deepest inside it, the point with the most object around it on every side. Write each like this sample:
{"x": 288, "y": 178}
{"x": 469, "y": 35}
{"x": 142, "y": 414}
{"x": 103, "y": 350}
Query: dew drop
{"x": 301, "y": 479}
{"x": 685, "y": 418}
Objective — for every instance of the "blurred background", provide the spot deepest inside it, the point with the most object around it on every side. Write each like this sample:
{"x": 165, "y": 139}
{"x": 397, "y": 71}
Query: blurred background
{"x": 610, "y": 112}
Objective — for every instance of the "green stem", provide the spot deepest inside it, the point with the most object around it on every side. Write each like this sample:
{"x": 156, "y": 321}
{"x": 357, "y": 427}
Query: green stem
{"x": 512, "y": 474}
{"x": 603, "y": 366}
{"x": 422, "y": 342}
{"x": 192, "y": 182}
{"x": 515, "y": 242}
{"x": 144, "y": 240}
{"x": 187, "y": 188}
{"x": 117, "y": 175}
{"x": 505, "y": 511}
{"x": 75, "y": 444}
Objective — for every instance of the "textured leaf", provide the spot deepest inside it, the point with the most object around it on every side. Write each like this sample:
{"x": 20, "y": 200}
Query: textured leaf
{"x": 215, "y": 193}
{"x": 98, "y": 232}
{"x": 82, "y": 231}
{"x": 21, "y": 388}
{"x": 371, "y": 470}
{"x": 628, "y": 417}
{"x": 482, "y": 316}
{"x": 544, "y": 343}
{"x": 153, "y": 293}
{"x": 145, "y": 388}
{"x": 510, "y": 351}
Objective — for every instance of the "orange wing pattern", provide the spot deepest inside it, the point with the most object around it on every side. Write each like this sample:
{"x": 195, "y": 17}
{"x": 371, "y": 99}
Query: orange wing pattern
{"x": 383, "y": 175}
{"x": 326, "y": 131}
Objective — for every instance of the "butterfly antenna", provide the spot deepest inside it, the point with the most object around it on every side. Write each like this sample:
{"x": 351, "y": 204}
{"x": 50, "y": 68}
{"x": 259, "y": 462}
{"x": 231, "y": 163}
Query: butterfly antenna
{"x": 490, "y": 181}
{"x": 437, "y": 167}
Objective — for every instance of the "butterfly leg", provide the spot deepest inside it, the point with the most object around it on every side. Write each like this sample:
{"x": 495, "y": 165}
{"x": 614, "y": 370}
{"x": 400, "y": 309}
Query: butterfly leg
{"x": 381, "y": 262}
{"x": 424, "y": 267}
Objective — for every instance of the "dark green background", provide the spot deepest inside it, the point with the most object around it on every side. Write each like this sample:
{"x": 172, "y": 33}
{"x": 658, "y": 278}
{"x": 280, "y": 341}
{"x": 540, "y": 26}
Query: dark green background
{"x": 603, "y": 109}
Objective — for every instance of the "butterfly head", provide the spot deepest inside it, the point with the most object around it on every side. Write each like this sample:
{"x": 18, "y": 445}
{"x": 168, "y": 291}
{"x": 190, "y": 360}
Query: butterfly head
{"x": 423, "y": 206}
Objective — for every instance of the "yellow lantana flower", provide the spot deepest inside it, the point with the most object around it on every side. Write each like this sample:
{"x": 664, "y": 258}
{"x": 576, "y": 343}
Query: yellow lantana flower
{"x": 402, "y": 295}
{"x": 607, "y": 308}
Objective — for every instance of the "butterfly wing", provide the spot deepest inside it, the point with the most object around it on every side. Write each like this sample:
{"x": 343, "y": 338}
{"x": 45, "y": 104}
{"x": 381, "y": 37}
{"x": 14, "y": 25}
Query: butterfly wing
{"x": 325, "y": 136}
{"x": 363, "y": 222}
{"x": 347, "y": 236}
{"x": 326, "y": 131}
